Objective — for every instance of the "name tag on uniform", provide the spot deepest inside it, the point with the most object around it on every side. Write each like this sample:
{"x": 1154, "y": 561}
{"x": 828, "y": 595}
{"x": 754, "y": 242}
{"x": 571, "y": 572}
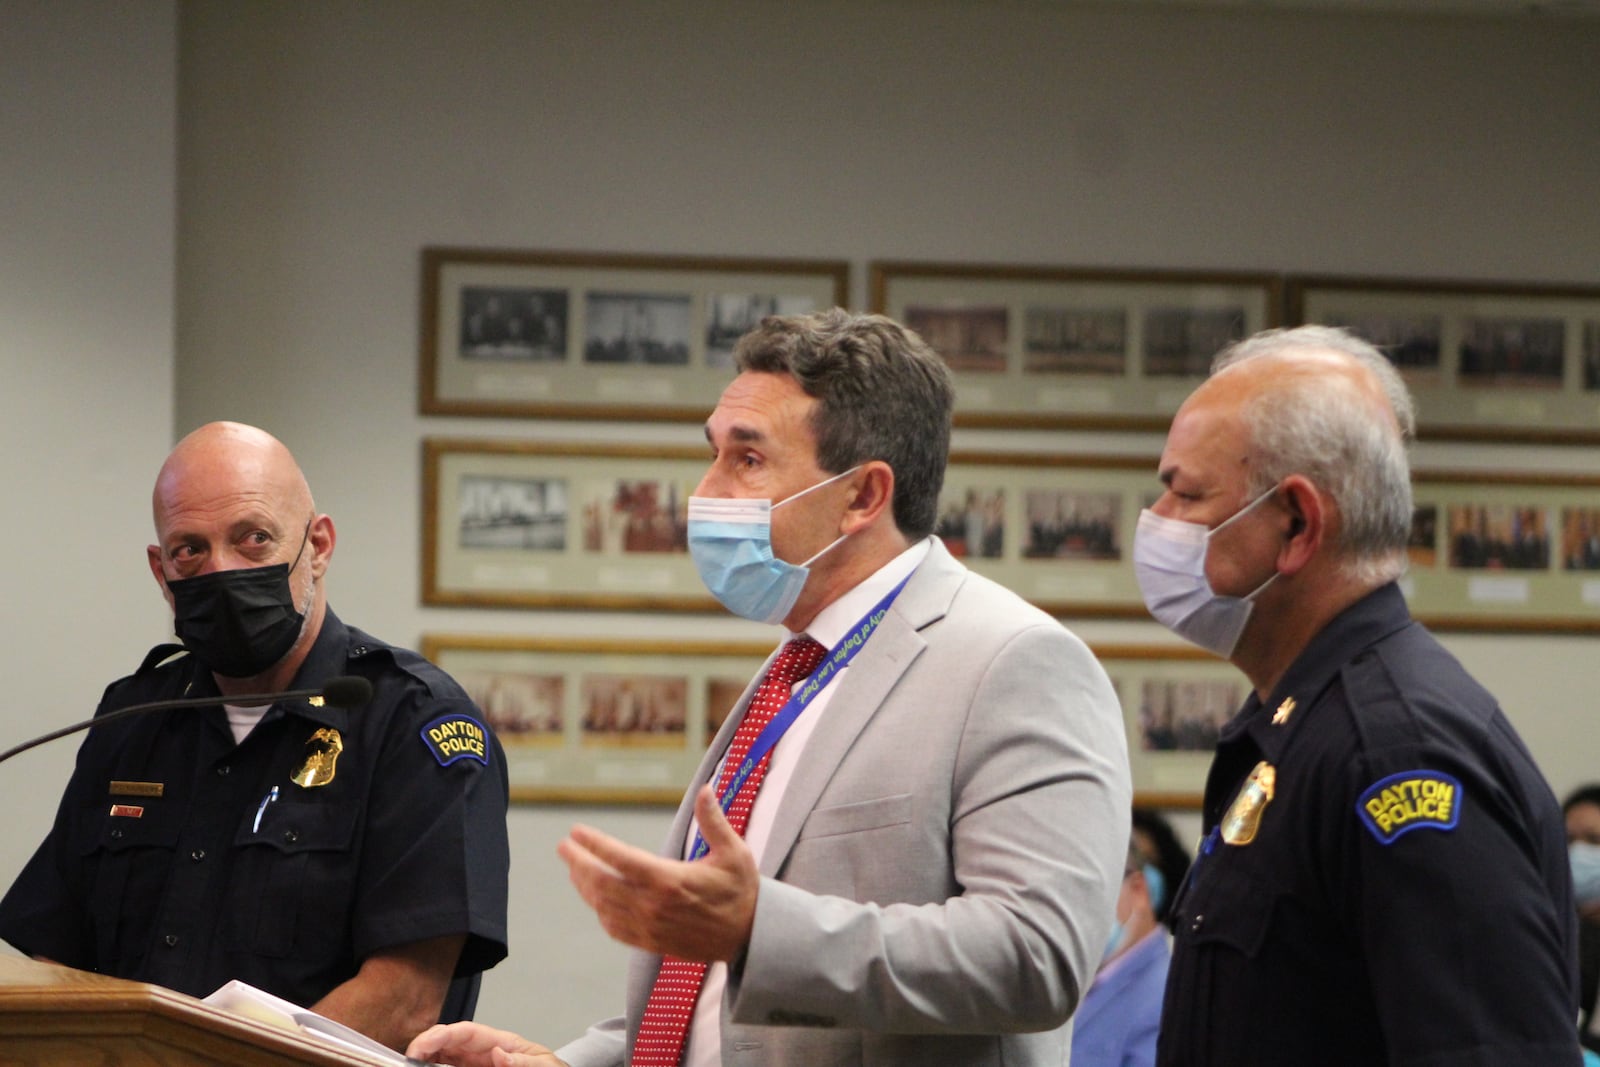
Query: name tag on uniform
{"x": 137, "y": 789}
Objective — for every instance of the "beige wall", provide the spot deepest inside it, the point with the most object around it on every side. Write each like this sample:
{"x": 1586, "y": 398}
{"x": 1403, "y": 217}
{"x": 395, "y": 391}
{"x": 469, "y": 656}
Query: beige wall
{"x": 88, "y": 125}
{"x": 320, "y": 146}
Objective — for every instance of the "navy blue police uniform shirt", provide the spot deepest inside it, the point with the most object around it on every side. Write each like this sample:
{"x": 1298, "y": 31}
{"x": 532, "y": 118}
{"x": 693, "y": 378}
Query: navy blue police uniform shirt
{"x": 168, "y": 863}
{"x": 1383, "y": 878}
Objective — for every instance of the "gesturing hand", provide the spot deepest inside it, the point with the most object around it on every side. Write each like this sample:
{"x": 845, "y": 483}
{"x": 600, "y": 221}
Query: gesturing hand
{"x": 700, "y": 910}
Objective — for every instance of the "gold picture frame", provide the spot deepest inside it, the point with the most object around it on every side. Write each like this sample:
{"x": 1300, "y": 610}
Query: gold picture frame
{"x": 520, "y": 524}
{"x": 1485, "y": 361}
{"x": 625, "y": 721}
{"x": 599, "y": 721}
{"x": 1071, "y": 347}
{"x": 1174, "y": 700}
{"x": 588, "y": 335}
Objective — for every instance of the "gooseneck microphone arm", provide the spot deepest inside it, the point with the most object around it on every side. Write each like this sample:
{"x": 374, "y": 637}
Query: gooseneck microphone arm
{"x": 346, "y": 691}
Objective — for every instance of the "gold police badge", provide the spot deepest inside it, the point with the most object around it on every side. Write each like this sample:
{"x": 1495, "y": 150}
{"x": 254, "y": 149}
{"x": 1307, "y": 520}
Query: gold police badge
{"x": 1239, "y": 826}
{"x": 322, "y": 757}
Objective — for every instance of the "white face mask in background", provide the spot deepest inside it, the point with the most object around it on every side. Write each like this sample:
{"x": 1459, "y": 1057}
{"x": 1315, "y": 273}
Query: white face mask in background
{"x": 1169, "y": 560}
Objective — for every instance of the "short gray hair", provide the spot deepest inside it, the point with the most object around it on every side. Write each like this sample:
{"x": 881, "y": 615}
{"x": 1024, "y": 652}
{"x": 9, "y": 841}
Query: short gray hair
{"x": 1312, "y": 425}
{"x": 882, "y": 393}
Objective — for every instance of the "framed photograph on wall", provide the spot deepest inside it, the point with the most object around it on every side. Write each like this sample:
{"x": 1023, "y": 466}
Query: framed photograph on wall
{"x": 1484, "y": 361}
{"x": 524, "y": 524}
{"x": 538, "y": 525}
{"x": 596, "y": 721}
{"x": 1501, "y": 551}
{"x": 1174, "y": 700}
{"x": 592, "y": 335}
{"x": 1069, "y": 347}
{"x": 520, "y": 524}
{"x": 625, "y": 721}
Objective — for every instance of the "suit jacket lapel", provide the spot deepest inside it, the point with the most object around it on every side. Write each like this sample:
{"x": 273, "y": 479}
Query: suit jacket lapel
{"x": 862, "y": 690}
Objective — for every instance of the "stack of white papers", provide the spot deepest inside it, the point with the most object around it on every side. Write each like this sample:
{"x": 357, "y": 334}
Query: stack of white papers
{"x": 241, "y": 998}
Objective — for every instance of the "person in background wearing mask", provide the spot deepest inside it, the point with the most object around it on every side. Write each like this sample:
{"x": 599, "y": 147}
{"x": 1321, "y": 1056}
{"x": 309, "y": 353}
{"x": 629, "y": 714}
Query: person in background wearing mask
{"x": 927, "y": 873}
{"x": 1154, "y": 837}
{"x": 1384, "y": 875}
{"x": 1117, "y": 1023}
{"x": 1582, "y": 812}
{"x": 353, "y": 861}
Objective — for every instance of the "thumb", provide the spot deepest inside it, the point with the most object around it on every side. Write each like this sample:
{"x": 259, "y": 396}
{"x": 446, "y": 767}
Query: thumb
{"x": 714, "y": 825}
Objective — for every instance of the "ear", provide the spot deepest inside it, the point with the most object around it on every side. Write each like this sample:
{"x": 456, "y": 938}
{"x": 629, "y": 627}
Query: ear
{"x": 152, "y": 555}
{"x": 1307, "y": 514}
{"x": 319, "y": 542}
{"x": 873, "y": 499}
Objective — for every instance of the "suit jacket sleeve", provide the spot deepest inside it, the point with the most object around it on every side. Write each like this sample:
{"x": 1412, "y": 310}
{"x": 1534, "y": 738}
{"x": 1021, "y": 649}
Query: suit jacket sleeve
{"x": 1019, "y": 743}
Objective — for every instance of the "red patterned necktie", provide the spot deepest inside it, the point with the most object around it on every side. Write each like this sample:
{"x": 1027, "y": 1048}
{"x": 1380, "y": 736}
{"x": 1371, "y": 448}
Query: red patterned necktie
{"x": 671, "y": 1005}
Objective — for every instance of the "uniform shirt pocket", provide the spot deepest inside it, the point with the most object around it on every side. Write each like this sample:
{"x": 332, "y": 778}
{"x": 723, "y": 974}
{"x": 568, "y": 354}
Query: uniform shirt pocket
{"x": 129, "y": 859}
{"x": 294, "y": 878}
{"x": 1228, "y": 911}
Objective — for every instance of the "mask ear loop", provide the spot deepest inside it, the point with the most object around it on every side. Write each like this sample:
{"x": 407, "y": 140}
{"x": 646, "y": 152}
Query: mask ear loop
{"x": 814, "y": 488}
{"x": 825, "y": 551}
{"x": 1241, "y": 513}
{"x": 827, "y": 481}
{"x": 305, "y": 539}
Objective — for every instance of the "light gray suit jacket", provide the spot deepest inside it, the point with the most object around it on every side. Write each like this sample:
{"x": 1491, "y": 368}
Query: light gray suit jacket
{"x": 940, "y": 879}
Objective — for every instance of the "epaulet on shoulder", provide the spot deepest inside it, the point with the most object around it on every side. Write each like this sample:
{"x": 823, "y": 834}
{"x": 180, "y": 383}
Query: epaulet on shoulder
{"x": 157, "y": 656}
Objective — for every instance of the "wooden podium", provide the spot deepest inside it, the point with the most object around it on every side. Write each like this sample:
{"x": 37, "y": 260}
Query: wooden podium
{"x": 61, "y": 1016}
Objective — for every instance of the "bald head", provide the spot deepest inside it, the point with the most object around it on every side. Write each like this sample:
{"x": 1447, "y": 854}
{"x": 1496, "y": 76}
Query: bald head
{"x": 227, "y": 459}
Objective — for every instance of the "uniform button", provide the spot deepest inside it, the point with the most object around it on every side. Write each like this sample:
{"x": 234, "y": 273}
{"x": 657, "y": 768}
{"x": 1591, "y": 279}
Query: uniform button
{"x": 359, "y": 650}
{"x": 290, "y": 837}
{"x": 198, "y": 854}
{"x": 222, "y": 771}
{"x": 1199, "y": 921}
{"x": 171, "y": 940}
{"x": 116, "y": 835}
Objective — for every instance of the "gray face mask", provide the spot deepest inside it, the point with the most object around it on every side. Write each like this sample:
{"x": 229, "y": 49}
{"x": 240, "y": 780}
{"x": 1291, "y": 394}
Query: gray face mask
{"x": 1169, "y": 560}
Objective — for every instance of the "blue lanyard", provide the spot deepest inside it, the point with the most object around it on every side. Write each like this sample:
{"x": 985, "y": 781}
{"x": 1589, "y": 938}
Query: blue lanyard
{"x": 837, "y": 659}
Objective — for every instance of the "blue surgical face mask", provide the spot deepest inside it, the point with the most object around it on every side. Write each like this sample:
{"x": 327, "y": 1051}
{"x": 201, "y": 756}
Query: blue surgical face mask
{"x": 730, "y": 541}
{"x": 1114, "y": 942}
{"x": 1585, "y": 871}
{"x": 1156, "y": 886}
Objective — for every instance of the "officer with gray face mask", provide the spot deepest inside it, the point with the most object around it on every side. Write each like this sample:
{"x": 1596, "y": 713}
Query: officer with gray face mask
{"x": 1370, "y": 801}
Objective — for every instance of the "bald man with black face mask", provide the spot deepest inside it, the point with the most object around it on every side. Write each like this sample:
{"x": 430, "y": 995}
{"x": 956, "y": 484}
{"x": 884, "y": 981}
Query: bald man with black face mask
{"x": 348, "y": 860}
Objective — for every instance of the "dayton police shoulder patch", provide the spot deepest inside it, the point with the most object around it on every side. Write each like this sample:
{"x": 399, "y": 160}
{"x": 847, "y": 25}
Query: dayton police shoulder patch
{"x": 1410, "y": 800}
{"x": 456, "y": 737}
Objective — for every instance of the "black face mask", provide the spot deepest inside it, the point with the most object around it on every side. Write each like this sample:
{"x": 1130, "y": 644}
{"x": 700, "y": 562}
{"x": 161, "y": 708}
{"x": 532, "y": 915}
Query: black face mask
{"x": 238, "y": 622}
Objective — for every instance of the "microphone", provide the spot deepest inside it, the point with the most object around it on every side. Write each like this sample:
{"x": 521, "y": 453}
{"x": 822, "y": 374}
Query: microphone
{"x": 347, "y": 691}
